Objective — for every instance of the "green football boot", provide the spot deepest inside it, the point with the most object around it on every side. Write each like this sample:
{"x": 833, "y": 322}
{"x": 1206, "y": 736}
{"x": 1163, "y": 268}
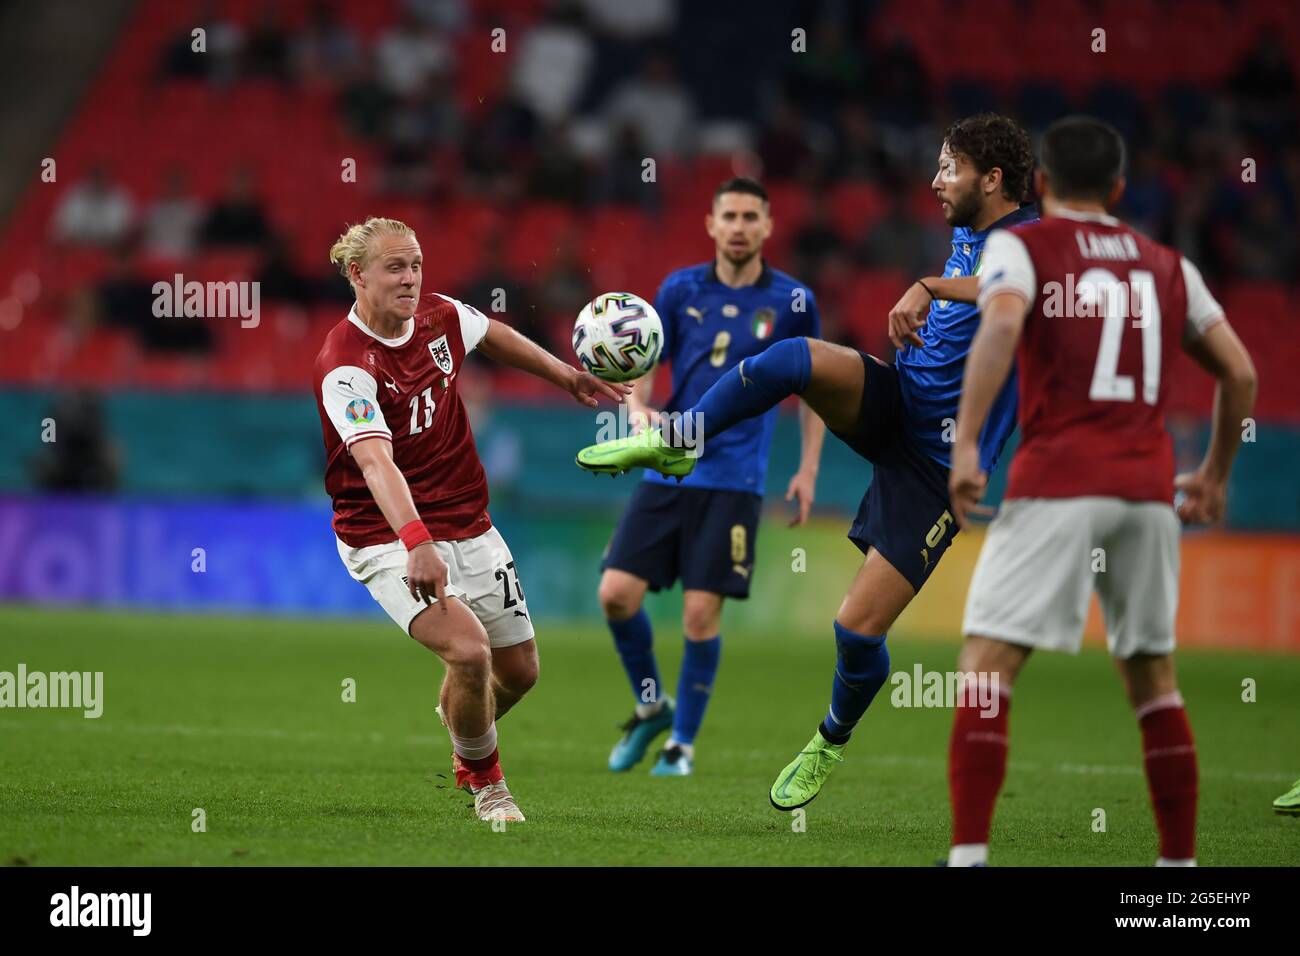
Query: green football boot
{"x": 645, "y": 449}
{"x": 802, "y": 778}
{"x": 1289, "y": 802}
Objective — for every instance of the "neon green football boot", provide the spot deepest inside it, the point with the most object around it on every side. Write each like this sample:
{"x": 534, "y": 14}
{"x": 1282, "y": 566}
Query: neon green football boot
{"x": 1289, "y": 802}
{"x": 645, "y": 449}
{"x": 802, "y": 778}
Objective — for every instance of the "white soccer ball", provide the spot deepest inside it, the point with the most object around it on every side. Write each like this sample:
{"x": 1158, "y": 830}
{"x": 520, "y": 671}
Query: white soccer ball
{"x": 618, "y": 336}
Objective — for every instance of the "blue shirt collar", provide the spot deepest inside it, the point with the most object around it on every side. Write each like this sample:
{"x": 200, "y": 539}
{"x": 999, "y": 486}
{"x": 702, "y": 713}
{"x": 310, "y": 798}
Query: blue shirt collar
{"x": 762, "y": 282}
{"x": 1026, "y": 213}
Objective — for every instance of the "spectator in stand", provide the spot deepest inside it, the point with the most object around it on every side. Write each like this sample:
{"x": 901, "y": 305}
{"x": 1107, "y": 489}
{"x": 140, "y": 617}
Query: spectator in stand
{"x": 565, "y": 288}
{"x": 420, "y": 124}
{"x": 632, "y": 23}
{"x": 171, "y": 222}
{"x": 621, "y": 181}
{"x": 236, "y": 219}
{"x": 326, "y": 49}
{"x": 495, "y": 286}
{"x": 279, "y": 279}
{"x": 266, "y": 55}
{"x": 218, "y": 61}
{"x": 122, "y": 299}
{"x": 95, "y": 211}
{"x": 901, "y": 241}
{"x": 1266, "y": 245}
{"x": 84, "y": 458}
{"x": 363, "y": 102}
{"x": 835, "y": 73}
{"x": 814, "y": 240}
{"x": 445, "y": 16}
{"x": 859, "y": 152}
{"x": 657, "y": 106}
{"x": 789, "y": 144}
{"x": 558, "y": 174}
{"x": 1147, "y": 199}
{"x": 553, "y": 62}
{"x": 898, "y": 89}
{"x": 409, "y": 54}
{"x": 1264, "y": 88}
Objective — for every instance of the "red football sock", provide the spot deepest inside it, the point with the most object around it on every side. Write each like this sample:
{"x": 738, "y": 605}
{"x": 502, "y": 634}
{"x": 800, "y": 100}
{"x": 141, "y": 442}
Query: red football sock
{"x": 977, "y": 764}
{"x": 1169, "y": 754}
{"x": 483, "y": 770}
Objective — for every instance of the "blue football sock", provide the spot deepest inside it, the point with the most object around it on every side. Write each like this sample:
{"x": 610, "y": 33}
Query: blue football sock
{"x": 699, "y": 667}
{"x": 752, "y": 387}
{"x": 634, "y": 641}
{"x": 861, "y": 668}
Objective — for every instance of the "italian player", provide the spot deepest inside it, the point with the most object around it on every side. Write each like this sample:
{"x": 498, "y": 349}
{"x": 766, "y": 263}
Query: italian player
{"x": 702, "y": 531}
{"x": 410, "y": 496}
{"x": 897, "y": 416}
{"x": 1092, "y": 313}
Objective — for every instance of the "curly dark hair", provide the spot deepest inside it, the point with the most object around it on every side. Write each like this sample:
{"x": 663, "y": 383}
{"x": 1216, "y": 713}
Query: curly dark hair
{"x": 989, "y": 140}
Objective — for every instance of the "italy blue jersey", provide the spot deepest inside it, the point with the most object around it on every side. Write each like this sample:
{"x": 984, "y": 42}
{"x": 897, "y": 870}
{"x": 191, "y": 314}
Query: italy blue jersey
{"x": 930, "y": 377}
{"x": 708, "y": 329}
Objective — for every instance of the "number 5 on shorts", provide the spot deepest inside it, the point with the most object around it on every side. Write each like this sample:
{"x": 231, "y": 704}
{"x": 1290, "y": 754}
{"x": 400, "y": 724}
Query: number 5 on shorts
{"x": 937, "y": 532}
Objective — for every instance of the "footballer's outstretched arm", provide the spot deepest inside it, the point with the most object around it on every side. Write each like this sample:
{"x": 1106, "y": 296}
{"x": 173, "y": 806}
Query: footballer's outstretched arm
{"x": 987, "y": 366}
{"x": 812, "y": 435}
{"x": 503, "y": 344}
{"x": 426, "y": 572}
{"x": 1219, "y": 352}
{"x": 909, "y": 313}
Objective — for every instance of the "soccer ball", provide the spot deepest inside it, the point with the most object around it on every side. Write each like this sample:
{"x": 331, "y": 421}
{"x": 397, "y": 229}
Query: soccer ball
{"x": 618, "y": 336}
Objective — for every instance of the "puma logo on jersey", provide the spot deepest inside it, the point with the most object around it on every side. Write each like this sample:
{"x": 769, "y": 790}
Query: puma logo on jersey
{"x": 741, "y": 570}
{"x": 348, "y": 383}
{"x": 925, "y": 556}
{"x": 391, "y": 385}
{"x": 696, "y": 314}
{"x": 521, "y": 614}
{"x": 741, "y": 369}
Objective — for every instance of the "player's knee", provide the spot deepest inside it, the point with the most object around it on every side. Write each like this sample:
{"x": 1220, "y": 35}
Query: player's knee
{"x": 618, "y": 602}
{"x": 470, "y": 657}
{"x": 981, "y": 655}
{"x": 1148, "y": 678}
{"x": 701, "y": 620}
{"x": 519, "y": 676}
{"x": 871, "y": 620}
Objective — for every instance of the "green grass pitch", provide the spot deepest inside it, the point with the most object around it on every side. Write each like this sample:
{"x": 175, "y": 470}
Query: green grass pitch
{"x": 244, "y": 718}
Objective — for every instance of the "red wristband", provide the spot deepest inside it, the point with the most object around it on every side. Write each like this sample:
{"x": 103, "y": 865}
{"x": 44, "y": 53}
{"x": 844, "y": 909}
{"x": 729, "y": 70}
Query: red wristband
{"x": 414, "y": 533}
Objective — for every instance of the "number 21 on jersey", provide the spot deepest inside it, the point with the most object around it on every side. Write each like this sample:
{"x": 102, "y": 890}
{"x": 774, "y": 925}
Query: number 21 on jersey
{"x": 1119, "y": 301}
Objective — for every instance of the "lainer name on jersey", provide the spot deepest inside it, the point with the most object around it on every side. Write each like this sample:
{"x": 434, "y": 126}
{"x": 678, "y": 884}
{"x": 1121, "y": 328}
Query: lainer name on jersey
{"x": 1117, "y": 247}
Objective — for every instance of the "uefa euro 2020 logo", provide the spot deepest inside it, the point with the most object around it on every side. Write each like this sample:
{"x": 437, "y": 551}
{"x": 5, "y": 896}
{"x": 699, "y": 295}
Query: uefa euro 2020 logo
{"x": 360, "y": 412}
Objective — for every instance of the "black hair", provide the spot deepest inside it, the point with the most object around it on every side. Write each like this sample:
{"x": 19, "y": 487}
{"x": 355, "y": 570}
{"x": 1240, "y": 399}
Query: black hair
{"x": 991, "y": 140}
{"x": 1082, "y": 157}
{"x": 741, "y": 184}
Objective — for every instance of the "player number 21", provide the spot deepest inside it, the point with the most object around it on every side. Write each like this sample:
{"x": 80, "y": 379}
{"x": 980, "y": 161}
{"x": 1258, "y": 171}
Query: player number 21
{"x": 1107, "y": 386}
{"x": 429, "y": 406}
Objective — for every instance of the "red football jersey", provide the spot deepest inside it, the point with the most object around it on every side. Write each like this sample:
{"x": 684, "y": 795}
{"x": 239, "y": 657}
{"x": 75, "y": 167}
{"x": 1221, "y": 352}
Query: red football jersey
{"x": 404, "y": 390}
{"x": 1108, "y": 309}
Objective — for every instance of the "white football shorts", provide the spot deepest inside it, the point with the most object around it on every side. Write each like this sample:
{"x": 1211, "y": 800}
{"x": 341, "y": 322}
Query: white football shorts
{"x": 480, "y": 572}
{"x": 1042, "y": 558}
